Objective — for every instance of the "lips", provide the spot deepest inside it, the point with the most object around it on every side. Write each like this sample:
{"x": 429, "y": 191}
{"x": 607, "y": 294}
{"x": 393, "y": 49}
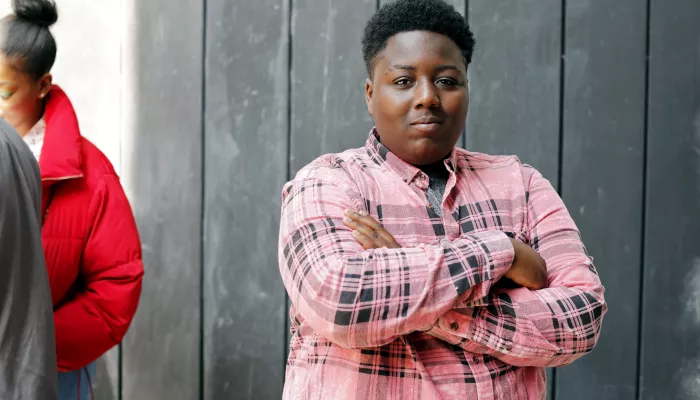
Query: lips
{"x": 427, "y": 124}
{"x": 427, "y": 120}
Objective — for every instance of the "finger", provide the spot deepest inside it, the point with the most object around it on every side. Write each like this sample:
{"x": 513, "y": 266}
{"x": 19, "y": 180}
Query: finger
{"x": 370, "y": 222}
{"x": 368, "y": 238}
{"x": 363, "y": 219}
{"x": 390, "y": 241}
{"x": 366, "y": 242}
{"x": 379, "y": 240}
{"x": 367, "y": 231}
{"x": 355, "y": 220}
{"x": 529, "y": 282}
{"x": 386, "y": 238}
{"x": 364, "y": 228}
{"x": 532, "y": 286}
{"x": 347, "y": 221}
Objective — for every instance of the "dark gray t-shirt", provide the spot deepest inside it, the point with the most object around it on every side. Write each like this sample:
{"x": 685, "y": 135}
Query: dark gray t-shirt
{"x": 437, "y": 182}
{"x": 27, "y": 345}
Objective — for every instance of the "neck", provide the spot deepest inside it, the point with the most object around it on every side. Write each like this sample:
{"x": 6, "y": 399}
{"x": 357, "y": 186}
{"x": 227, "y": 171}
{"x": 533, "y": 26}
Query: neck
{"x": 437, "y": 168}
{"x": 25, "y": 126}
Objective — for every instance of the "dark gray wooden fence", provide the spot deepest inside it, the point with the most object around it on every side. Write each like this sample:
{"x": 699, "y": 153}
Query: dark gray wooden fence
{"x": 234, "y": 96}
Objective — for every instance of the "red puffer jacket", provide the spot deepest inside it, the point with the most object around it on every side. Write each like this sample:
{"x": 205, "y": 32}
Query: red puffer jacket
{"x": 92, "y": 247}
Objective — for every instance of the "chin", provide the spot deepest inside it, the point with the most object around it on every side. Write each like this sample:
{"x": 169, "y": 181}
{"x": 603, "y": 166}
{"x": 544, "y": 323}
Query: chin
{"x": 423, "y": 153}
{"x": 425, "y": 157}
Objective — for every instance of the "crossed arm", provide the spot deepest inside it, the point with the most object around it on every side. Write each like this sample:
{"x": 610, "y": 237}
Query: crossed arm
{"x": 361, "y": 296}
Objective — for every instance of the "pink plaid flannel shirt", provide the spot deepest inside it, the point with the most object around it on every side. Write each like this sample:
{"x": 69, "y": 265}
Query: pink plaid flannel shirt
{"x": 427, "y": 321}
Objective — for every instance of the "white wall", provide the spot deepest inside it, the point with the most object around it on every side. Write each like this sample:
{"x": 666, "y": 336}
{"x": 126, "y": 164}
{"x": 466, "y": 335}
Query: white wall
{"x": 88, "y": 66}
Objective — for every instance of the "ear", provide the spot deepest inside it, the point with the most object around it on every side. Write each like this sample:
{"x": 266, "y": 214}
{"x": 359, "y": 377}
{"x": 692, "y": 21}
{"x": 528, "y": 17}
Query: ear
{"x": 45, "y": 83}
{"x": 369, "y": 89}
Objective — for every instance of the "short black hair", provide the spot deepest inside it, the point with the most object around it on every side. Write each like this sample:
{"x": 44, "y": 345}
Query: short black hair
{"x": 26, "y": 38}
{"x": 415, "y": 15}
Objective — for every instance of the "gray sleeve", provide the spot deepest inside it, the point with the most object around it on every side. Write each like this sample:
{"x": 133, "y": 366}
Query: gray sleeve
{"x": 27, "y": 344}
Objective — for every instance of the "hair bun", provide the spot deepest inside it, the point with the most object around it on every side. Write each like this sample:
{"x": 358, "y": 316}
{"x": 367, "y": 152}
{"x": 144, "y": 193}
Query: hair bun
{"x": 38, "y": 12}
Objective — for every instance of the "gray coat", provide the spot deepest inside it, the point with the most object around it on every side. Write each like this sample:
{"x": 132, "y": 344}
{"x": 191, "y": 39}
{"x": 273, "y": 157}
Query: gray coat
{"x": 27, "y": 347}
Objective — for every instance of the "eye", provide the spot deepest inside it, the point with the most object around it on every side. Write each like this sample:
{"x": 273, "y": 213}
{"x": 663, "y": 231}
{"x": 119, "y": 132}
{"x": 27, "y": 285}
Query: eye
{"x": 402, "y": 82}
{"x": 447, "y": 82}
{"x": 5, "y": 95}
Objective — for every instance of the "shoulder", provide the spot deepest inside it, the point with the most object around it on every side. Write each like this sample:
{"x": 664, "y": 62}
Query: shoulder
{"x": 476, "y": 160}
{"x": 341, "y": 171}
{"x": 501, "y": 167}
{"x": 335, "y": 165}
{"x": 99, "y": 182}
{"x": 95, "y": 165}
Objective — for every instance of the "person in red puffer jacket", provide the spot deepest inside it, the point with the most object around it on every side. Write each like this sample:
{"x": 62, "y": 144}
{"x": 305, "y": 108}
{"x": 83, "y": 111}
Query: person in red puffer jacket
{"x": 90, "y": 239}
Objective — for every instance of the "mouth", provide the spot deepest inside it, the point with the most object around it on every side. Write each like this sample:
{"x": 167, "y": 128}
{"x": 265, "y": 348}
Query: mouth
{"x": 428, "y": 124}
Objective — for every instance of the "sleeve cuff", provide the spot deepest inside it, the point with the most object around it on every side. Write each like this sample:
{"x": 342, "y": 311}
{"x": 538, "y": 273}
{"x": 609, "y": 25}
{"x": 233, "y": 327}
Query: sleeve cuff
{"x": 458, "y": 328}
{"x": 455, "y": 328}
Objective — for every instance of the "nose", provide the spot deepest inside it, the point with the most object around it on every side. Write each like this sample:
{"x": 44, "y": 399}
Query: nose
{"x": 426, "y": 95}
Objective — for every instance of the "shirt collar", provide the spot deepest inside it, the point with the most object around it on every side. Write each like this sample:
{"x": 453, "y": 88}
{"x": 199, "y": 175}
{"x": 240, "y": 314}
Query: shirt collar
{"x": 35, "y": 137}
{"x": 407, "y": 172}
{"x": 62, "y": 156}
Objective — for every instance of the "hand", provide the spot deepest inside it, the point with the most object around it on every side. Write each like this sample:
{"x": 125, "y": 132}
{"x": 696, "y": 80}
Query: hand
{"x": 368, "y": 232}
{"x": 529, "y": 268}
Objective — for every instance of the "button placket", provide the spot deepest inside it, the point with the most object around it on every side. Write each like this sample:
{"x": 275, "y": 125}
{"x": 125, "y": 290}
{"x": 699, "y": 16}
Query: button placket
{"x": 422, "y": 181}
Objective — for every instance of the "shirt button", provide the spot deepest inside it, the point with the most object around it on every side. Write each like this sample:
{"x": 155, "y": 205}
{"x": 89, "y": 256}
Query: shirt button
{"x": 454, "y": 326}
{"x": 475, "y": 360}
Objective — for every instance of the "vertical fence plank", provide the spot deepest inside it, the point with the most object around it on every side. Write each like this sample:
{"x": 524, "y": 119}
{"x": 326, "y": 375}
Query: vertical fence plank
{"x": 670, "y": 361}
{"x": 458, "y": 4}
{"x": 246, "y": 153}
{"x": 105, "y": 383}
{"x": 515, "y": 75}
{"x": 461, "y": 6}
{"x": 515, "y": 83}
{"x": 328, "y": 111}
{"x": 602, "y": 181}
{"x": 328, "y": 78}
{"x": 161, "y": 170}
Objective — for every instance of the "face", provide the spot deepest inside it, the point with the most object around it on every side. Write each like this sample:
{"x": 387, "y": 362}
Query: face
{"x": 418, "y": 96}
{"x": 21, "y": 96}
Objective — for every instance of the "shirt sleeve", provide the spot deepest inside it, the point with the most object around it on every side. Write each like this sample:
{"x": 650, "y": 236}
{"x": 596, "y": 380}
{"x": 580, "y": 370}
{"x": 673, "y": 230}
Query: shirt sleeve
{"x": 548, "y": 327}
{"x": 360, "y": 298}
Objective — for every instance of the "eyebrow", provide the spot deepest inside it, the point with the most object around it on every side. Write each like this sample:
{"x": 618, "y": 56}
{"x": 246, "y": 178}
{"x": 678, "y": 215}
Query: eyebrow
{"x": 402, "y": 66}
{"x": 447, "y": 67}
{"x": 439, "y": 68}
